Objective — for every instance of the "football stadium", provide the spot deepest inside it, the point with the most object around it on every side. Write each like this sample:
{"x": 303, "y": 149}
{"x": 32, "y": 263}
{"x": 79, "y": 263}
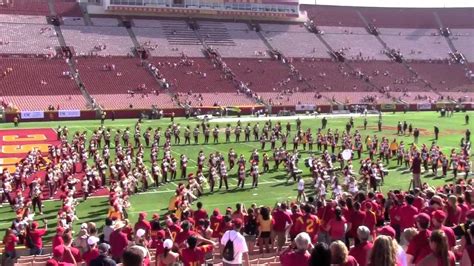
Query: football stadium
{"x": 216, "y": 132}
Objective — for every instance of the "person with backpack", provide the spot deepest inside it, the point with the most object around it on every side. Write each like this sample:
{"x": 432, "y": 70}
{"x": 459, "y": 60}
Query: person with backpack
{"x": 235, "y": 251}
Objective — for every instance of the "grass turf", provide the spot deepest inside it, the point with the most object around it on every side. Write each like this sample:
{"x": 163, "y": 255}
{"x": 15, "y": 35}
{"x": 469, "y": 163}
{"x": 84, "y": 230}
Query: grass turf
{"x": 272, "y": 185}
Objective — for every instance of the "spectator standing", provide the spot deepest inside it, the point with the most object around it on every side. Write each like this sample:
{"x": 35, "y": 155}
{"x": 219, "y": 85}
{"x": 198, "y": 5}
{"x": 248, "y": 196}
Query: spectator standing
{"x": 321, "y": 255}
{"x": 440, "y": 254}
{"x": 167, "y": 257}
{"x": 337, "y": 226}
{"x": 282, "y": 222}
{"x": 361, "y": 250}
{"x": 118, "y": 242}
{"x": 240, "y": 248}
{"x": 340, "y": 255}
{"x": 419, "y": 247}
{"x": 93, "y": 251}
{"x": 196, "y": 255}
{"x": 384, "y": 252}
{"x": 265, "y": 226}
{"x": 103, "y": 259}
{"x": 36, "y": 236}
{"x": 9, "y": 242}
{"x": 297, "y": 253}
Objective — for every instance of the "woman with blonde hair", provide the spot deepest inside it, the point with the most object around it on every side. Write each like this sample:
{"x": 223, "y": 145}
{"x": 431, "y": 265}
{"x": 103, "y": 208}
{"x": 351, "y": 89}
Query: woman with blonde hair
{"x": 340, "y": 255}
{"x": 440, "y": 254}
{"x": 384, "y": 252}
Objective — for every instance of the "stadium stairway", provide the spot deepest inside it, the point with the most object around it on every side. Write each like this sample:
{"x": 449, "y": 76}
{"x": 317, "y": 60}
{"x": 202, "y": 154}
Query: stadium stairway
{"x": 72, "y": 67}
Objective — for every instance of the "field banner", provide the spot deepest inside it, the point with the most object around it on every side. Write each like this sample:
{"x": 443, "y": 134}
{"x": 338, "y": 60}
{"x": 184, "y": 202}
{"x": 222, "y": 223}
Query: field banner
{"x": 32, "y": 114}
{"x": 69, "y": 113}
{"x": 388, "y": 106}
{"x": 424, "y": 106}
{"x": 305, "y": 107}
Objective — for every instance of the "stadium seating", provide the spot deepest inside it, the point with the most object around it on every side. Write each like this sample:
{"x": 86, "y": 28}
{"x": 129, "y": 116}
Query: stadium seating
{"x": 400, "y": 17}
{"x": 263, "y": 75}
{"x": 457, "y": 17}
{"x": 393, "y": 75}
{"x": 355, "y": 43}
{"x": 67, "y": 8}
{"x": 292, "y": 98}
{"x": 126, "y": 101}
{"x": 415, "y": 96}
{"x": 102, "y": 41}
{"x": 25, "y": 7}
{"x": 463, "y": 40}
{"x": 196, "y": 75}
{"x": 34, "y": 84}
{"x": 325, "y": 75}
{"x": 73, "y": 21}
{"x": 107, "y": 22}
{"x": 215, "y": 33}
{"x": 302, "y": 44}
{"x": 27, "y": 39}
{"x": 23, "y": 19}
{"x": 333, "y": 15}
{"x": 419, "y": 44}
{"x": 216, "y": 99}
{"x": 442, "y": 76}
{"x": 154, "y": 39}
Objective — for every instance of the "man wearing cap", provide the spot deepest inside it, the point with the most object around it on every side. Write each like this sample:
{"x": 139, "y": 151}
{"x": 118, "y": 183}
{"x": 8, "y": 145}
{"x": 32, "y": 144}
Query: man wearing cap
{"x": 297, "y": 253}
{"x": 93, "y": 251}
{"x": 36, "y": 236}
{"x": 419, "y": 246}
{"x": 195, "y": 255}
{"x": 118, "y": 242}
{"x": 142, "y": 223}
{"x": 103, "y": 259}
{"x": 241, "y": 256}
{"x": 58, "y": 257}
{"x": 438, "y": 218}
{"x": 361, "y": 251}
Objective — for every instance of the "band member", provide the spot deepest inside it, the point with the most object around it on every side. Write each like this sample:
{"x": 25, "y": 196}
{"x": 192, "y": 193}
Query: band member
{"x": 223, "y": 175}
{"x": 187, "y": 135}
{"x": 232, "y": 156}
{"x": 183, "y": 164}
{"x": 255, "y": 174}
{"x": 196, "y": 134}
{"x": 241, "y": 173}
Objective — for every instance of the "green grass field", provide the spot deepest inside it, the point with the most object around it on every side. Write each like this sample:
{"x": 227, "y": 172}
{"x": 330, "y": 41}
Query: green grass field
{"x": 273, "y": 186}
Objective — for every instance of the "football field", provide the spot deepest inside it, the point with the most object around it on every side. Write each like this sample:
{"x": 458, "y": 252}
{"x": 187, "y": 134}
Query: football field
{"x": 272, "y": 186}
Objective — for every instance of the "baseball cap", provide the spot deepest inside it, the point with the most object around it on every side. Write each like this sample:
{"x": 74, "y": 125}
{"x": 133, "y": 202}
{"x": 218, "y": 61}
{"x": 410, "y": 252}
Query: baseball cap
{"x": 387, "y": 231}
{"x": 103, "y": 248}
{"x": 140, "y": 232}
{"x": 237, "y": 222}
{"x": 439, "y": 215}
{"x": 423, "y": 217}
{"x": 168, "y": 244}
{"x": 92, "y": 240}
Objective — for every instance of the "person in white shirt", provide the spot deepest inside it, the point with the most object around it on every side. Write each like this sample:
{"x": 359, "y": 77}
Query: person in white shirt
{"x": 241, "y": 256}
{"x": 301, "y": 195}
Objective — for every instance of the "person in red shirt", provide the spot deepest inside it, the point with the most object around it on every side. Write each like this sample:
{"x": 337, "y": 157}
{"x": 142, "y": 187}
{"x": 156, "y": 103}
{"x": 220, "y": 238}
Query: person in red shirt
{"x": 58, "y": 237}
{"x": 370, "y": 219}
{"x": 9, "y": 242}
{"x": 419, "y": 202}
{"x": 282, "y": 221}
{"x": 63, "y": 255}
{"x": 357, "y": 219}
{"x": 419, "y": 247}
{"x": 184, "y": 234}
{"x": 36, "y": 236}
{"x": 439, "y": 255}
{"x": 118, "y": 242}
{"x": 196, "y": 255}
{"x": 74, "y": 255}
{"x": 308, "y": 223}
{"x": 142, "y": 223}
{"x": 406, "y": 213}
{"x": 337, "y": 226}
{"x": 297, "y": 253}
{"x": 200, "y": 213}
{"x": 437, "y": 222}
{"x": 173, "y": 227}
{"x": 93, "y": 251}
{"x": 295, "y": 214}
{"x": 361, "y": 251}
{"x": 216, "y": 221}
{"x": 464, "y": 209}
{"x": 453, "y": 212}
